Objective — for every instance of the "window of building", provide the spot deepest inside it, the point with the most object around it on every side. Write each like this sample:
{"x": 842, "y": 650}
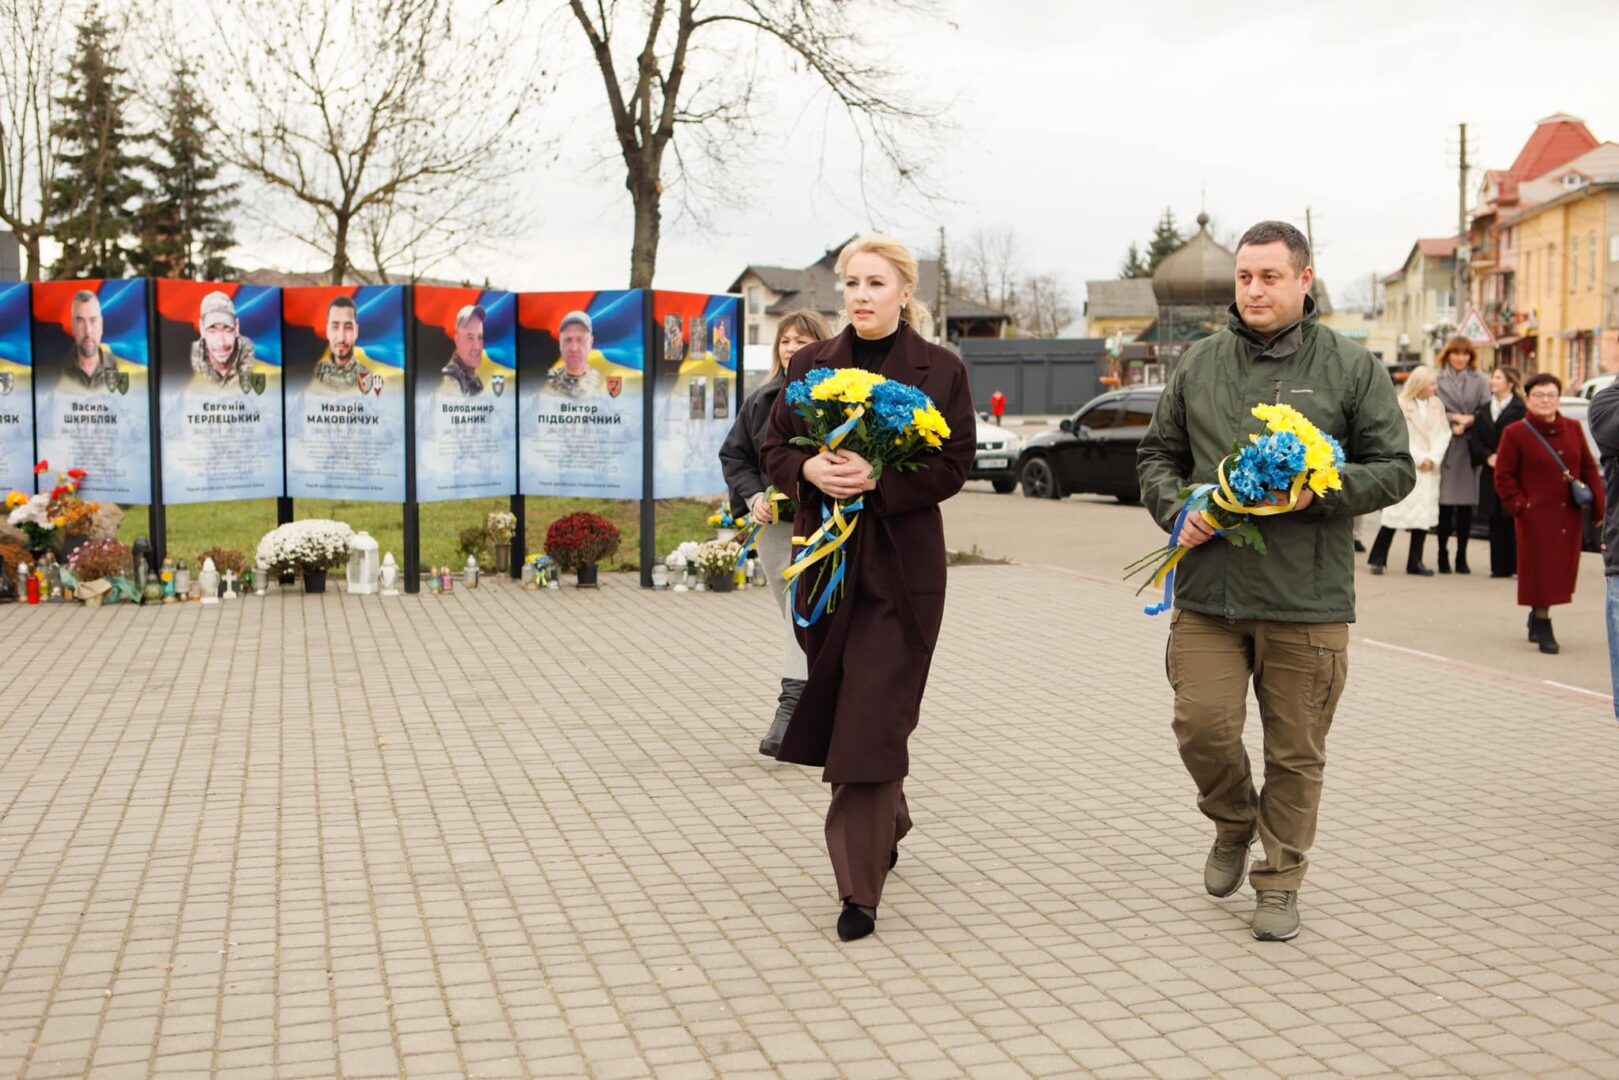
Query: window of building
{"x": 1613, "y": 248}
{"x": 755, "y": 299}
{"x": 753, "y": 333}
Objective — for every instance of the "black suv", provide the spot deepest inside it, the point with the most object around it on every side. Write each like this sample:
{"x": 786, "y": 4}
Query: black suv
{"x": 1094, "y": 451}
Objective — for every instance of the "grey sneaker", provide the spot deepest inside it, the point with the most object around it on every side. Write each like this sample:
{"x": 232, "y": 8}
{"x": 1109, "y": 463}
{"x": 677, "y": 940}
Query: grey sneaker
{"x": 1226, "y": 865}
{"x": 1276, "y": 916}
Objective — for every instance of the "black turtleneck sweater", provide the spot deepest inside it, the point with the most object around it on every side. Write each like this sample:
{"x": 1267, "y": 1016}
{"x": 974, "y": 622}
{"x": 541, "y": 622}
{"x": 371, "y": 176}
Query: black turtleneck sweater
{"x": 871, "y": 354}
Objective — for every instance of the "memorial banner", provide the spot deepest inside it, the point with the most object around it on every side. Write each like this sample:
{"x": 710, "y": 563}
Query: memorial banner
{"x": 16, "y": 392}
{"x": 344, "y": 380}
{"x": 92, "y": 399}
{"x": 466, "y": 393}
{"x": 219, "y": 391}
{"x": 581, "y": 359}
{"x": 695, "y": 393}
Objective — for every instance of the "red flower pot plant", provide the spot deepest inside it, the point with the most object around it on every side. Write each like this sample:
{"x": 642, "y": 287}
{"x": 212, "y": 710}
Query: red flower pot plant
{"x": 579, "y": 541}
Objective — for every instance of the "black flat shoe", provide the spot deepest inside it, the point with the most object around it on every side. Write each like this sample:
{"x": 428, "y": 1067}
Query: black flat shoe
{"x": 1419, "y": 571}
{"x": 855, "y": 924}
{"x": 1375, "y": 568}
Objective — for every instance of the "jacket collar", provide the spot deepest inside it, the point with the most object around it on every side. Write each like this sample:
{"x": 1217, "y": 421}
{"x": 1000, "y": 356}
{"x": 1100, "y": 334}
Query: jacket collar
{"x": 1286, "y": 343}
{"x": 909, "y": 355}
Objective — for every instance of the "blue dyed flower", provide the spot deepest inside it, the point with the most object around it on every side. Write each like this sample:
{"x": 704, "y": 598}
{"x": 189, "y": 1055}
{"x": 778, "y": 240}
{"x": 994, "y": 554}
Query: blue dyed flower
{"x": 894, "y": 405}
{"x": 799, "y": 392}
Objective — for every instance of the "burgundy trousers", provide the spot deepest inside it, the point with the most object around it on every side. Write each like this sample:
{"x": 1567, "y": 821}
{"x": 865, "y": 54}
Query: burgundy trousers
{"x": 864, "y": 825}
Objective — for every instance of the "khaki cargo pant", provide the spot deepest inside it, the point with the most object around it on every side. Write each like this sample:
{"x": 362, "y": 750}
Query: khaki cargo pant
{"x": 1298, "y": 672}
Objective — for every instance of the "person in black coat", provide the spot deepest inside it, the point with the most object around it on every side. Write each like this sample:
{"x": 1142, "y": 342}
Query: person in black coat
{"x": 746, "y": 480}
{"x": 1483, "y": 440}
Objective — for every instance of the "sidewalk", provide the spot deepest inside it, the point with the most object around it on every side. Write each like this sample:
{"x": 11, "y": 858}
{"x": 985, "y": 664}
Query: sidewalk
{"x": 501, "y": 833}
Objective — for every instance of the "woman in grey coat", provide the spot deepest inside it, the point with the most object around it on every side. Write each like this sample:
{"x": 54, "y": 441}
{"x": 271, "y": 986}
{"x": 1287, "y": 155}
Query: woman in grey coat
{"x": 1463, "y": 389}
{"x": 745, "y": 477}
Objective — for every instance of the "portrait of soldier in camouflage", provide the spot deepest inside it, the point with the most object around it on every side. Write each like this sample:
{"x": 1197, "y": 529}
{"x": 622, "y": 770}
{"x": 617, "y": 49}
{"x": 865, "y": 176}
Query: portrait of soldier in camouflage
{"x": 343, "y": 367}
{"x": 223, "y": 355}
{"x": 92, "y": 365}
{"x": 462, "y": 370}
{"x": 574, "y": 377}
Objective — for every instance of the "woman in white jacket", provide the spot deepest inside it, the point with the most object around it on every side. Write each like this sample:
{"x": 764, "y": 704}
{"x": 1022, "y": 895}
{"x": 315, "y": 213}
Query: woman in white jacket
{"x": 1428, "y": 428}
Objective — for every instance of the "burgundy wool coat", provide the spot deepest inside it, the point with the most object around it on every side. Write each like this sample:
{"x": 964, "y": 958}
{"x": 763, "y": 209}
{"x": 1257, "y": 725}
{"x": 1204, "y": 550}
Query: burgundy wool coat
{"x": 868, "y": 660}
{"x": 1533, "y": 490}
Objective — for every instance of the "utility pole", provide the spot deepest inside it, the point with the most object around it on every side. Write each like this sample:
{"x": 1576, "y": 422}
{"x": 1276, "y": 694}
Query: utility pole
{"x": 1462, "y": 251}
{"x": 942, "y": 306}
{"x": 1309, "y": 231}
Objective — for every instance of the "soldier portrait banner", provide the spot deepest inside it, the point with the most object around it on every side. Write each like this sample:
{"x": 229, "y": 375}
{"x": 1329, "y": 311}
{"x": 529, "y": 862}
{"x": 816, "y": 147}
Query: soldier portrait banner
{"x": 581, "y": 408}
{"x": 16, "y": 391}
{"x": 344, "y": 379}
{"x": 694, "y": 395}
{"x": 92, "y": 403}
{"x": 466, "y": 393}
{"x": 219, "y": 391}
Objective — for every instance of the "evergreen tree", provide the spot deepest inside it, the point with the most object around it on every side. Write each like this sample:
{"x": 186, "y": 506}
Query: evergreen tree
{"x": 1132, "y": 266}
{"x": 1166, "y": 239}
{"x": 97, "y": 181}
{"x": 185, "y": 225}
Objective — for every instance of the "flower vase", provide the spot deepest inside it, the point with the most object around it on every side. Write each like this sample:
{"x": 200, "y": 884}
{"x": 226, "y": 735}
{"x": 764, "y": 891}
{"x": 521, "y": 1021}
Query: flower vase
{"x": 721, "y": 582}
{"x": 587, "y": 577}
{"x": 314, "y": 581}
{"x": 503, "y": 558}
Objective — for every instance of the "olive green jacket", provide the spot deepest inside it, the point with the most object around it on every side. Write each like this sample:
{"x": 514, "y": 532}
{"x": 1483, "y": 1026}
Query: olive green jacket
{"x": 1308, "y": 571}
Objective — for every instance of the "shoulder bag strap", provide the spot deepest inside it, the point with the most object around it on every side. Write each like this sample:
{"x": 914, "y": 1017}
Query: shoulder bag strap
{"x": 1550, "y": 449}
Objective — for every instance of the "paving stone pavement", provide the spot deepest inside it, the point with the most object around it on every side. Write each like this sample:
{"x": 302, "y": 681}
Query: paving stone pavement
{"x": 511, "y": 834}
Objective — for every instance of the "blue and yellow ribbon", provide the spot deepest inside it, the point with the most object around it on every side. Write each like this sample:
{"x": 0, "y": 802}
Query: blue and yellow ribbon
{"x": 837, "y": 525}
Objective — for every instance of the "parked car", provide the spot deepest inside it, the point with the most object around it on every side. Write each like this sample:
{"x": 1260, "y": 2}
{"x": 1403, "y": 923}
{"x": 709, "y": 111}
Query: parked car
{"x": 1093, "y": 451}
{"x": 1590, "y": 388}
{"x": 996, "y": 459}
{"x": 1576, "y": 409}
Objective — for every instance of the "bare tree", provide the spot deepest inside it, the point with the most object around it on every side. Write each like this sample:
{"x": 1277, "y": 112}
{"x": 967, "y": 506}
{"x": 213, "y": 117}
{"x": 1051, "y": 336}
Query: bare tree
{"x": 31, "y": 55}
{"x": 1044, "y": 307}
{"x": 987, "y": 269}
{"x": 388, "y": 125}
{"x": 659, "y": 105}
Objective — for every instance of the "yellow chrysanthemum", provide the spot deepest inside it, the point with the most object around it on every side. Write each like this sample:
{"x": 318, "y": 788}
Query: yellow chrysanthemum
{"x": 852, "y": 386}
{"x": 1325, "y": 480}
{"x": 1318, "y": 455}
{"x": 930, "y": 424}
{"x": 15, "y": 499}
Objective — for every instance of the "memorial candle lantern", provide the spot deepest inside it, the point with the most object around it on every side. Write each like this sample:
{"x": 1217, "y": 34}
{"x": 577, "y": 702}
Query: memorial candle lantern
{"x": 388, "y": 576}
{"x": 182, "y": 581}
{"x": 363, "y": 568}
{"x": 208, "y": 582}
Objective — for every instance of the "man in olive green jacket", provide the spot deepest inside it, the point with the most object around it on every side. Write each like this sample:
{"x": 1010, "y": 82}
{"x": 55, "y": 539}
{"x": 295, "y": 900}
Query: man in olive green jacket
{"x": 1280, "y": 618}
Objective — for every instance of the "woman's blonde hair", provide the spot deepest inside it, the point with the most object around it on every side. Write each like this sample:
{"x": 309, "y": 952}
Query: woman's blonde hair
{"x": 809, "y": 323}
{"x": 916, "y": 313}
{"x": 1422, "y": 376}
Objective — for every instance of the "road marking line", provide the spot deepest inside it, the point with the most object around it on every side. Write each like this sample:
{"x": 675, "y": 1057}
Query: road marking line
{"x": 1578, "y": 690}
{"x": 1412, "y": 652}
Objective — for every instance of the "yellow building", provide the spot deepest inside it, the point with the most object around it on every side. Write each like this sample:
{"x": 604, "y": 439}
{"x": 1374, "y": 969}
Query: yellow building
{"x": 1125, "y": 308}
{"x": 1568, "y": 279}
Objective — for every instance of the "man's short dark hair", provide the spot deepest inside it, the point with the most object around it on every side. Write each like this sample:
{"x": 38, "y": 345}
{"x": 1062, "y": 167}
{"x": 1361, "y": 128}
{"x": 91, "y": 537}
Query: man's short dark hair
{"x": 84, "y": 296}
{"x": 1542, "y": 379}
{"x": 1270, "y": 232}
{"x": 342, "y": 301}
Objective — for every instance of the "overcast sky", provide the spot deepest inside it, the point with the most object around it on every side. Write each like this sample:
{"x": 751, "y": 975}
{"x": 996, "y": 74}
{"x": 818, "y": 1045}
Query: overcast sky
{"x": 1077, "y": 123}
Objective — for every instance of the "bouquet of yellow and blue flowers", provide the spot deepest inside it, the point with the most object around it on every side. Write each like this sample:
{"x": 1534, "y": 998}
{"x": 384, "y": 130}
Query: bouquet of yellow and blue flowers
{"x": 890, "y": 424}
{"x": 1263, "y": 478}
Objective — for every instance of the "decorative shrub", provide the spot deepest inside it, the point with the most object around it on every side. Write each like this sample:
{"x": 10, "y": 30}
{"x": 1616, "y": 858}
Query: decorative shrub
{"x": 304, "y": 546}
{"x": 581, "y": 539}
{"x": 225, "y": 559}
{"x": 99, "y": 559}
{"x": 475, "y": 541}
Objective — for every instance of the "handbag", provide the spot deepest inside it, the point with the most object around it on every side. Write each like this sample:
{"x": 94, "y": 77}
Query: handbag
{"x": 1578, "y": 490}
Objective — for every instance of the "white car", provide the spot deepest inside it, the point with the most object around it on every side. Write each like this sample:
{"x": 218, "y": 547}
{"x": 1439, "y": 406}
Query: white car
{"x": 1590, "y": 388}
{"x": 996, "y": 458}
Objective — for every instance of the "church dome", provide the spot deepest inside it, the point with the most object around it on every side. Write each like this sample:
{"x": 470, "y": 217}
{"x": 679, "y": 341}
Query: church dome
{"x": 1200, "y": 273}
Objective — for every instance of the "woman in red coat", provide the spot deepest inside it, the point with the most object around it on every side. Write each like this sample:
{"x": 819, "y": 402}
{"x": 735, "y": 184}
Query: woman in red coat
{"x": 868, "y": 659}
{"x": 1533, "y": 483}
